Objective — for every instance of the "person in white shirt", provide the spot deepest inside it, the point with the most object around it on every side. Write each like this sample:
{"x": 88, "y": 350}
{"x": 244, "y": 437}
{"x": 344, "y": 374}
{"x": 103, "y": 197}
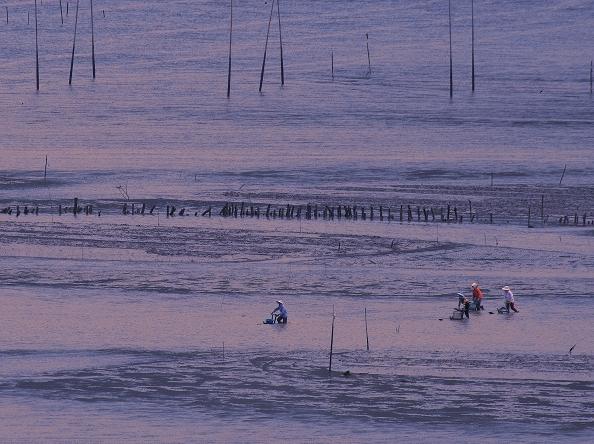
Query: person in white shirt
{"x": 281, "y": 317}
{"x": 509, "y": 299}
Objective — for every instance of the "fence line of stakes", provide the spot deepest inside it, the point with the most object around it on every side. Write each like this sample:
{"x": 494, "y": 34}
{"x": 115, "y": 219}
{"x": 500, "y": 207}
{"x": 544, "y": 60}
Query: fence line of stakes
{"x": 408, "y": 213}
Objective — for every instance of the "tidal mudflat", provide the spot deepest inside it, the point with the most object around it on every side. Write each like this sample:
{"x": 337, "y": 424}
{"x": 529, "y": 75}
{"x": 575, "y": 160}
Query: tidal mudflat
{"x": 139, "y": 260}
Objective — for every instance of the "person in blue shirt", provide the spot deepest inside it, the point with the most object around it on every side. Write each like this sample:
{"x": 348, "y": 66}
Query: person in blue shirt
{"x": 281, "y": 317}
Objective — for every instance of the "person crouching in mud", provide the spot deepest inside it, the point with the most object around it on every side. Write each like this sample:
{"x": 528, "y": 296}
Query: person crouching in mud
{"x": 463, "y": 302}
{"x": 509, "y": 299}
{"x": 281, "y": 317}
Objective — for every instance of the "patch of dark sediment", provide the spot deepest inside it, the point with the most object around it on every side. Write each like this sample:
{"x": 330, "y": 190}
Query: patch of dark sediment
{"x": 178, "y": 260}
{"x": 211, "y": 243}
{"x": 229, "y": 243}
{"x": 406, "y": 392}
{"x": 25, "y": 182}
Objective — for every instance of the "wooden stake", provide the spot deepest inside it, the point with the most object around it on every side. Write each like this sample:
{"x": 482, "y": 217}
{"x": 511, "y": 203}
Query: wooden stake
{"x": 230, "y": 37}
{"x": 332, "y": 61}
{"x": 542, "y": 208}
{"x": 563, "y": 175}
{"x": 472, "y": 11}
{"x": 92, "y": 39}
{"x": 45, "y": 169}
{"x": 368, "y": 57}
{"x": 331, "y": 339}
{"x": 590, "y": 77}
{"x": 73, "y": 44}
{"x": 61, "y": 12}
{"x": 36, "y": 51}
{"x": 366, "y": 333}
{"x": 266, "y": 47}
{"x": 451, "y": 63}
{"x": 280, "y": 37}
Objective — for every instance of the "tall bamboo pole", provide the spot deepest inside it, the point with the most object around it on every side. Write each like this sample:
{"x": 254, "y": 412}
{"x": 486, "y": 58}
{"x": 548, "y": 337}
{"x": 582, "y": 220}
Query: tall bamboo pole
{"x": 73, "y": 44}
{"x": 563, "y": 174}
{"x": 230, "y": 39}
{"x": 280, "y": 36}
{"x": 92, "y": 39}
{"x": 366, "y": 333}
{"x": 472, "y": 9}
{"x": 266, "y": 47}
{"x": 36, "y": 50}
{"x": 590, "y": 76}
{"x": 368, "y": 55}
{"x": 451, "y": 65}
{"x": 331, "y": 341}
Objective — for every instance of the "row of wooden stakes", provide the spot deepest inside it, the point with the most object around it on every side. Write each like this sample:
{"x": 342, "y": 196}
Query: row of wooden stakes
{"x": 354, "y": 212}
{"x": 405, "y": 213}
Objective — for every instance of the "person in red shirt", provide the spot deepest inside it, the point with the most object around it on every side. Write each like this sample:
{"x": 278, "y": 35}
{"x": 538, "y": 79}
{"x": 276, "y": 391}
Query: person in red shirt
{"x": 477, "y": 296}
